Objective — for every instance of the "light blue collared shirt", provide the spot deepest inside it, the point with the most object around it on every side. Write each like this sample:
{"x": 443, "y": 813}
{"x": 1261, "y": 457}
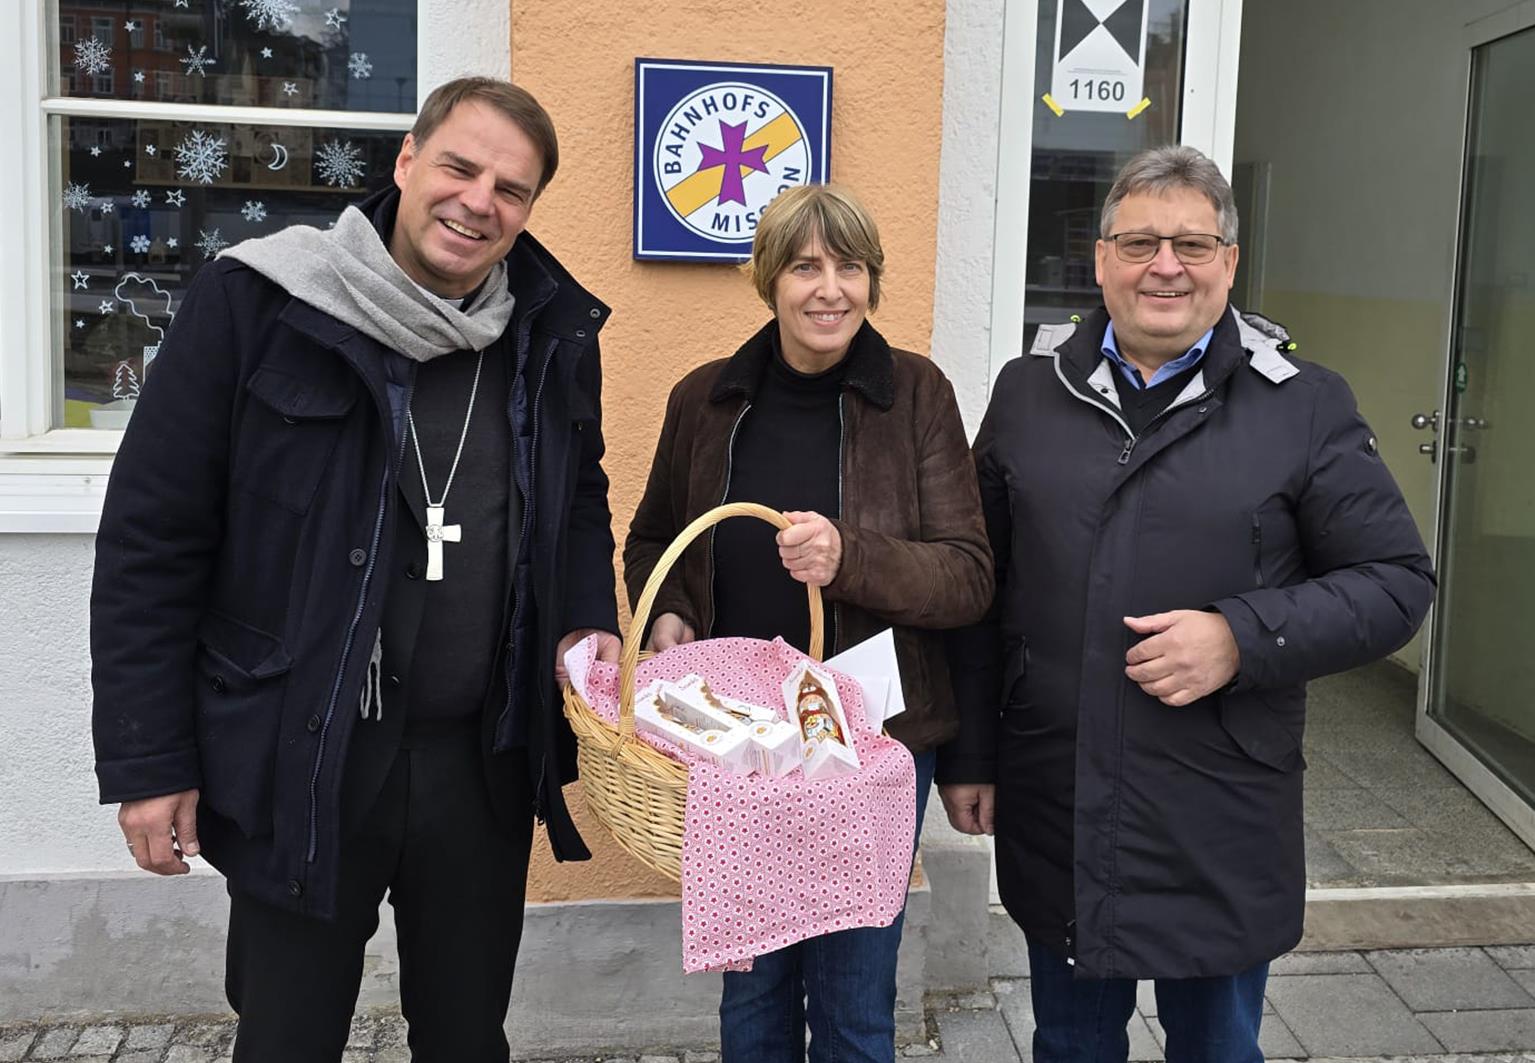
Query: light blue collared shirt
{"x": 1171, "y": 369}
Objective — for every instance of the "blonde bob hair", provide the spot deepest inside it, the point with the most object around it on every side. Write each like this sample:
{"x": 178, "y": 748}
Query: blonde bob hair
{"x": 798, "y": 215}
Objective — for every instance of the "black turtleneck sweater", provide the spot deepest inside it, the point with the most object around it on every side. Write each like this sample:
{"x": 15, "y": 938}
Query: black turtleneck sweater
{"x": 788, "y": 455}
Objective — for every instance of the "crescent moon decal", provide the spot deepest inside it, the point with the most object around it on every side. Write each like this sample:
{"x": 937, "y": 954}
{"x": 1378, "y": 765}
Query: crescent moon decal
{"x": 279, "y": 157}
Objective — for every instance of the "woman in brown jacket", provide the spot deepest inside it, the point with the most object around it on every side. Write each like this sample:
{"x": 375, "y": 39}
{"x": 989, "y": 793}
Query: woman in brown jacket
{"x": 862, "y": 446}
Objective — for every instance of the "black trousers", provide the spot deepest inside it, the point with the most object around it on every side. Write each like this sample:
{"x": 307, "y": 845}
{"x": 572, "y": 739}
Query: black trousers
{"x": 456, "y": 876}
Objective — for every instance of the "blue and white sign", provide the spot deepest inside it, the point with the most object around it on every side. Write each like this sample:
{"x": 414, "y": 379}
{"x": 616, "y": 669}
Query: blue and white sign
{"x": 714, "y": 143}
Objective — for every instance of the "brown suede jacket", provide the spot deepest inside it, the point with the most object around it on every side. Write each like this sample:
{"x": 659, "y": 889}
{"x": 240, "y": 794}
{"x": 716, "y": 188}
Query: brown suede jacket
{"x": 914, "y": 551}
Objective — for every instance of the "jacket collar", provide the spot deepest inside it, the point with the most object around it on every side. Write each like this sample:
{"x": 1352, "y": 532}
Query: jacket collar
{"x": 1081, "y": 346}
{"x": 870, "y": 367}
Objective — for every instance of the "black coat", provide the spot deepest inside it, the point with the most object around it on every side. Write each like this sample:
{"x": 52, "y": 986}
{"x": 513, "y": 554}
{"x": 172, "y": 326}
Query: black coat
{"x": 245, "y": 546}
{"x": 1143, "y": 840}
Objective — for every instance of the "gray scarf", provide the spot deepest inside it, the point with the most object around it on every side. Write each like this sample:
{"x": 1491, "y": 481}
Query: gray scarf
{"x": 348, "y": 273}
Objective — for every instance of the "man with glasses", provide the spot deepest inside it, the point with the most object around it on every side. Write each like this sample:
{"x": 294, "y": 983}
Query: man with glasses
{"x": 1189, "y": 523}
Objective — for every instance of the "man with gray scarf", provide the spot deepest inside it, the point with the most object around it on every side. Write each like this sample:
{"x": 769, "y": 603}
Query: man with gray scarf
{"x": 356, "y": 521}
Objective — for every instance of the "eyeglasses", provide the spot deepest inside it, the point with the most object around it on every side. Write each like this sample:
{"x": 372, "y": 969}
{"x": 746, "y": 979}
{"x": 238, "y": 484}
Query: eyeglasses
{"x": 1192, "y": 249}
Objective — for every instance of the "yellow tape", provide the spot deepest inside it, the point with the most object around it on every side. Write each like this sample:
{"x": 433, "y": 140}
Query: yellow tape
{"x": 1138, "y": 108}
{"x": 1050, "y": 103}
{"x": 698, "y": 189}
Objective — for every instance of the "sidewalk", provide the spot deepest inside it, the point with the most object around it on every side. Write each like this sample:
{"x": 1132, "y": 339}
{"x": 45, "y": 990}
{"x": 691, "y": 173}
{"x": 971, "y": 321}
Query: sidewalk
{"x": 1462, "y": 1005}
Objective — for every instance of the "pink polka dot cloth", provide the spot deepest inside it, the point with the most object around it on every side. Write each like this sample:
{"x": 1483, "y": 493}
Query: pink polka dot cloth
{"x": 767, "y": 862}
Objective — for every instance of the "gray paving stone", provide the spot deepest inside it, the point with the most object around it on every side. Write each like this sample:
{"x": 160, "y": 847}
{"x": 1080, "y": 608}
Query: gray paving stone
{"x": 691, "y": 1056}
{"x": 1325, "y": 866}
{"x": 1143, "y": 1045}
{"x": 214, "y": 1035}
{"x": 1276, "y": 1041}
{"x": 1323, "y": 774}
{"x": 1017, "y": 1009}
{"x": 392, "y": 1054}
{"x": 154, "y": 1035}
{"x": 1320, "y": 963}
{"x": 55, "y": 1043}
{"x": 362, "y": 1033}
{"x": 1007, "y": 954}
{"x": 356, "y": 1055}
{"x": 1512, "y": 957}
{"x": 1350, "y": 810}
{"x": 976, "y": 1035}
{"x": 97, "y": 1041}
{"x": 1347, "y": 1015}
{"x": 659, "y": 1059}
{"x": 139, "y": 1055}
{"x": 14, "y": 1042}
{"x": 1483, "y": 1031}
{"x": 189, "y": 1054}
{"x": 1449, "y": 979}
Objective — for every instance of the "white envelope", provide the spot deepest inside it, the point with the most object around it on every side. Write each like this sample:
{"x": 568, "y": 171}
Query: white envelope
{"x": 872, "y": 662}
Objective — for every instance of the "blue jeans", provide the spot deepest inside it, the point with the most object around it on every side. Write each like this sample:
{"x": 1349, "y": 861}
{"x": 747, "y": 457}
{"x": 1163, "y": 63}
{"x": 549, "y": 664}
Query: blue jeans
{"x": 843, "y": 984}
{"x": 1083, "y": 1020}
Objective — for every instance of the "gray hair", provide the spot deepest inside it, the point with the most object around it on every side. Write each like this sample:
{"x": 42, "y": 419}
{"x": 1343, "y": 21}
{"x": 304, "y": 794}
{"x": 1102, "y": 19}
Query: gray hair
{"x": 1158, "y": 171}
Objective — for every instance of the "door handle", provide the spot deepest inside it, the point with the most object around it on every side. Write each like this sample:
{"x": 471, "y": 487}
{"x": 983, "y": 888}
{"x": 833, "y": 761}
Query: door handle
{"x": 1467, "y": 453}
{"x": 1421, "y": 421}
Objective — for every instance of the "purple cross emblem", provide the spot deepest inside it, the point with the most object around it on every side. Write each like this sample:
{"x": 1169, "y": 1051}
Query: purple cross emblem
{"x": 732, "y": 158}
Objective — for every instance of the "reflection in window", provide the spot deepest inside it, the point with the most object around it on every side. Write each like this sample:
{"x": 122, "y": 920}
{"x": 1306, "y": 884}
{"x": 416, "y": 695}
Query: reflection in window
{"x": 143, "y": 204}
{"x": 1075, "y": 158}
{"x": 354, "y": 55}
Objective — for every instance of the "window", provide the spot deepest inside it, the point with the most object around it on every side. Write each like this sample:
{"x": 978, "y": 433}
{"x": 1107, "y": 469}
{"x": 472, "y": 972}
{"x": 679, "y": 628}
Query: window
{"x": 354, "y": 91}
{"x": 142, "y": 199}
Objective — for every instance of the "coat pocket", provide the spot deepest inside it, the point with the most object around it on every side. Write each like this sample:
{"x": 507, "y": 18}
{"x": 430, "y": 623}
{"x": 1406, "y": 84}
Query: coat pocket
{"x": 241, "y": 679}
{"x": 1267, "y": 727}
{"x": 287, "y": 435}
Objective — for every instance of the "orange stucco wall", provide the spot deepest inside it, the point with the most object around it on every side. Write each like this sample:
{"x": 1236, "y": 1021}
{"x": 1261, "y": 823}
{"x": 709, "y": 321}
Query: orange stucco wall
{"x": 578, "y": 57}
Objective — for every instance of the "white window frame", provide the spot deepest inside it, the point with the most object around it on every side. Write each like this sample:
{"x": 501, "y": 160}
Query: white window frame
{"x": 53, "y": 479}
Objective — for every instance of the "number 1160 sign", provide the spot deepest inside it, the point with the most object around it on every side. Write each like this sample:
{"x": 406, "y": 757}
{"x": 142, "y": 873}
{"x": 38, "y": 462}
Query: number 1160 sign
{"x": 1088, "y": 90}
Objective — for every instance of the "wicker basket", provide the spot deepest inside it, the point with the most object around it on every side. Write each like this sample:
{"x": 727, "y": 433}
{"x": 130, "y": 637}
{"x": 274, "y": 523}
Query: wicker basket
{"x": 637, "y": 792}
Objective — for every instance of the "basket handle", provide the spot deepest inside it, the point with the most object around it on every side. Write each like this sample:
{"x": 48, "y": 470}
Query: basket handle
{"x": 631, "y": 655}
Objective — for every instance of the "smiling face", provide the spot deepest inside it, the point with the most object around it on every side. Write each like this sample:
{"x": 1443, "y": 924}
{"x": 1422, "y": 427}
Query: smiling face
{"x": 1159, "y": 308}
{"x": 465, "y": 196}
{"x": 821, "y": 301}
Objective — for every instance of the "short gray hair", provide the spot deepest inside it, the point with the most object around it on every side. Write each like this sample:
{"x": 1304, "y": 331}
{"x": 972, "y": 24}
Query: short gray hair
{"x": 1158, "y": 171}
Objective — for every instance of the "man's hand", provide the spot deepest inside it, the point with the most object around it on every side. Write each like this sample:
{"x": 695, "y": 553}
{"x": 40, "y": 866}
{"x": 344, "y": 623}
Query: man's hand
{"x": 667, "y": 631}
{"x": 161, "y": 830}
{"x": 971, "y": 807}
{"x": 608, "y": 647}
{"x": 812, "y": 549}
{"x": 1190, "y": 653}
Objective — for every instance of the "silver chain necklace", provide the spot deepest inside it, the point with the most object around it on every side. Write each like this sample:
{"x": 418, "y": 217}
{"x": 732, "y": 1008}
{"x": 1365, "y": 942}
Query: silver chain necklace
{"x": 437, "y": 532}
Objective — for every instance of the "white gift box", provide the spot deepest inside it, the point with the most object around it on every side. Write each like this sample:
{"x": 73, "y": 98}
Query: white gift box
{"x": 821, "y": 756}
{"x": 658, "y": 710}
{"x": 777, "y": 745}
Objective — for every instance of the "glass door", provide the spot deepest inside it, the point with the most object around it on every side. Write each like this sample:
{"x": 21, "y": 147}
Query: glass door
{"x": 1478, "y": 690}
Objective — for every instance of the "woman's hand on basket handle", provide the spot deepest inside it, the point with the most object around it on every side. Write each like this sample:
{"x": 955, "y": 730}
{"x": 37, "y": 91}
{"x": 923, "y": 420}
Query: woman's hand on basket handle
{"x": 609, "y": 646}
{"x": 669, "y": 630}
{"x": 811, "y": 549}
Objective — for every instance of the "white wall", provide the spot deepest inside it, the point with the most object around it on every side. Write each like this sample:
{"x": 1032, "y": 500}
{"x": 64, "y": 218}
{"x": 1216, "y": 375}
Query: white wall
{"x": 49, "y": 818}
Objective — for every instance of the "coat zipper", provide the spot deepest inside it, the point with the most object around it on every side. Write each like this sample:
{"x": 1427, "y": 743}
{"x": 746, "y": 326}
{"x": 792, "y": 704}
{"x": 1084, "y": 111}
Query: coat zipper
{"x": 730, "y": 460}
{"x": 527, "y": 519}
{"x": 836, "y": 607}
{"x": 1131, "y": 439}
{"x": 351, "y": 638}
{"x": 1257, "y": 539}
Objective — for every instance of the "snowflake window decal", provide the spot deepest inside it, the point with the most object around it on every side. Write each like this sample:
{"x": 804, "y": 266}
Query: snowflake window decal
{"x": 201, "y": 157}
{"x": 92, "y": 56}
{"x": 198, "y": 62}
{"x": 273, "y": 14}
{"x": 359, "y": 66}
{"x": 339, "y": 163}
{"x": 254, "y": 210}
{"x": 77, "y": 197}
{"x": 140, "y": 244}
{"x": 140, "y": 199}
{"x": 210, "y": 244}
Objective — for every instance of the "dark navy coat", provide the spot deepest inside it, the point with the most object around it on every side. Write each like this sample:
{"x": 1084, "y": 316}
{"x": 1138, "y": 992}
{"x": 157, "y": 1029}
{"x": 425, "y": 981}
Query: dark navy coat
{"x": 243, "y": 553}
{"x": 1139, "y": 839}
